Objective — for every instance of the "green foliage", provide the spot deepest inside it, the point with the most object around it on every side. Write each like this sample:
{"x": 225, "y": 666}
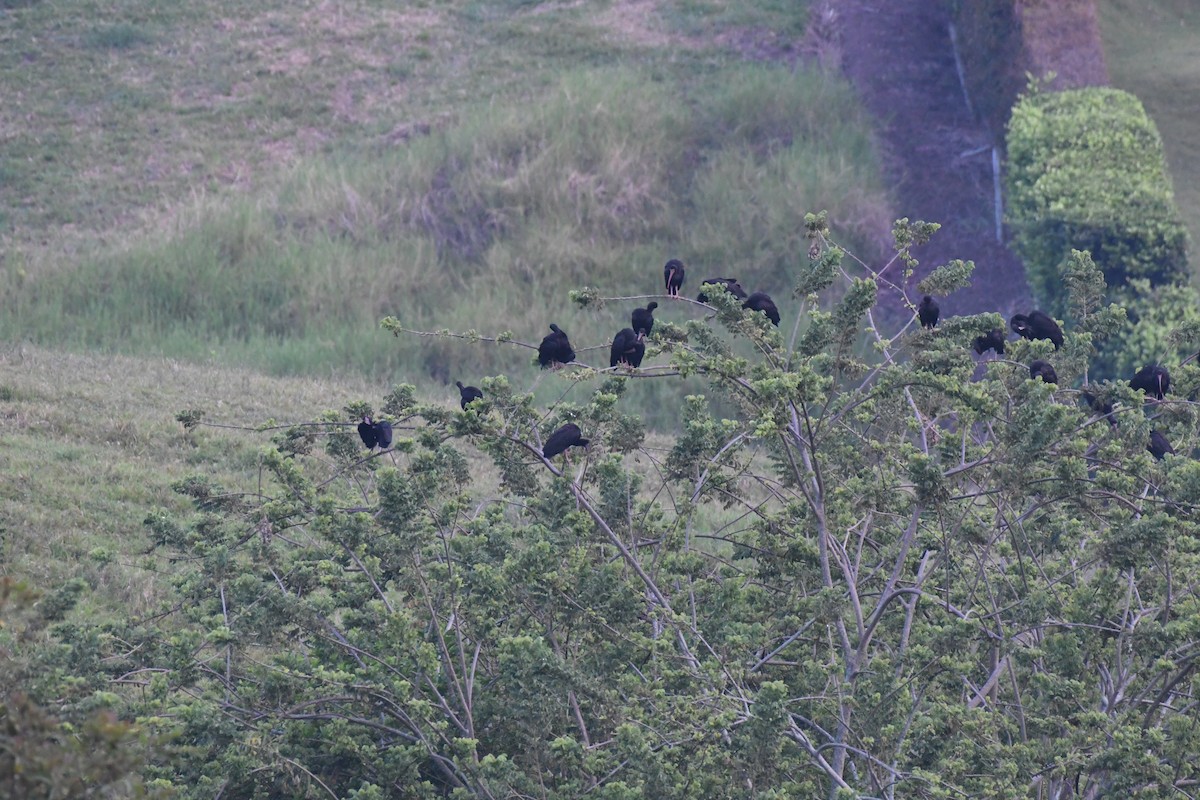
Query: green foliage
{"x": 1163, "y": 328}
{"x": 857, "y": 570}
{"x": 864, "y": 577}
{"x": 91, "y": 754}
{"x": 1086, "y": 172}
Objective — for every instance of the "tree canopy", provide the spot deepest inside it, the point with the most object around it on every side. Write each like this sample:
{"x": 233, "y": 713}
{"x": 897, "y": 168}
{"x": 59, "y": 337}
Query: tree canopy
{"x": 887, "y": 569}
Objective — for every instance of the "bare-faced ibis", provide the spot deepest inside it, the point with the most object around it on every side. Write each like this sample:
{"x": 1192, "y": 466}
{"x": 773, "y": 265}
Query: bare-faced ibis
{"x": 673, "y": 276}
{"x": 627, "y": 348}
{"x": 467, "y": 393}
{"x": 642, "y": 319}
{"x": 992, "y": 340}
{"x": 1037, "y": 325}
{"x": 383, "y": 434}
{"x": 1159, "y": 446}
{"x": 366, "y": 432}
{"x": 928, "y": 312}
{"x": 761, "y": 301}
{"x": 731, "y": 285}
{"x": 568, "y": 435}
{"x": 1153, "y": 379}
{"x": 555, "y": 348}
{"x": 1042, "y": 369}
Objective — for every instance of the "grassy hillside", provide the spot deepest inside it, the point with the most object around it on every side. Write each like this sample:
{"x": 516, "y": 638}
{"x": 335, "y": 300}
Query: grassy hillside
{"x": 118, "y": 110}
{"x": 1152, "y": 50}
{"x": 497, "y": 156}
{"x": 90, "y": 445}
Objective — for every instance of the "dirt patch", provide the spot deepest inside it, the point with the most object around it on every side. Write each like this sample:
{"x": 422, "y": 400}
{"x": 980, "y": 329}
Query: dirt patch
{"x": 1063, "y": 37}
{"x": 937, "y": 154}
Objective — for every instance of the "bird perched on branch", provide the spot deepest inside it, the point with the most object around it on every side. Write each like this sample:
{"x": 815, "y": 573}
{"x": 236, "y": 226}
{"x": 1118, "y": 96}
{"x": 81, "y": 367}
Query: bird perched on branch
{"x": 731, "y": 285}
{"x": 568, "y": 435}
{"x": 928, "y": 312}
{"x": 1159, "y": 446}
{"x": 1099, "y": 406}
{"x": 761, "y": 301}
{"x": 643, "y": 319}
{"x": 1153, "y": 379}
{"x": 383, "y": 434}
{"x": 555, "y": 348}
{"x": 673, "y": 276}
{"x": 366, "y": 432}
{"x": 1037, "y": 325}
{"x": 627, "y": 348}
{"x": 1042, "y": 369}
{"x": 992, "y": 340}
{"x": 467, "y": 393}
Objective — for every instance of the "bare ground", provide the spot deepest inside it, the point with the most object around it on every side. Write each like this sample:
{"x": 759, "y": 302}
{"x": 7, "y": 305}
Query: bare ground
{"x": 937, "y": 155}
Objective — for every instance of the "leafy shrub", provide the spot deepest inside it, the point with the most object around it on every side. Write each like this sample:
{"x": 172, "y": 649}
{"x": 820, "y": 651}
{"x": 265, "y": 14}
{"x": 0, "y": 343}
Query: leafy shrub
{"x": 1086, "y": 171}
{"x": 1162, "y": 326}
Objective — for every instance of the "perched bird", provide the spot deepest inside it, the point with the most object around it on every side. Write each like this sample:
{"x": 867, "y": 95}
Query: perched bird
{"x": 1042, "y": 369}
{"x": 568, "y": 435}
{"x": 993, "y": 340}
{"x": 1037, "y": 325}
{"x": 366, "y": 432}
{"x": 1153, "y": 379}
{"x": 1099, "y": 406}
{"x": 383, "y": 434}
{"x": 761, "y": 301}
{"x": 1159, "y": 446}
{"x": 673, "y": 276}
{"x": 555, "y": 348}
{"x": 731, "y": 285}
{"x": 643, "y": 319}
{"x": 928, "y": 312}
{"x": 627, "y": 348}
{"x": 468, "y": 393}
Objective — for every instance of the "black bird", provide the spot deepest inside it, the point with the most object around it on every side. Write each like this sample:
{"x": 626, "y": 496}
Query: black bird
{"x": 555, "y": 348}
{"x": 731, "y": 285}
{"x": 383, "y": 434}
{"x": 1042, "y": 369}
{"x": 993, "y": 340}
{"x": 1037, "y": 325}
{"x": 761, "y": 301}
{"x": 627, "y": 348}
{"x": 1159, "y": 446}
{"x": 468, "y": 393}
{"x": 673, "y": 276}
{"x": 643, "y": 318}
{"x": 928, "y": 312}
{"x": 1152, "y": 379}
{"x": 568, "y": 435}
{"x": 366, "y": 432}
{"x": 1099, "y": 406}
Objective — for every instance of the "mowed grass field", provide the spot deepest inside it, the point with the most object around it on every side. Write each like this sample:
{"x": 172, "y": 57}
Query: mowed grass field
{"x": 1153, "y": 50}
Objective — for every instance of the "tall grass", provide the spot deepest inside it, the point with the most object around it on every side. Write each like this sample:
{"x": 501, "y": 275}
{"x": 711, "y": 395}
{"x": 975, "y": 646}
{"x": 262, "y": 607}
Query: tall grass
{"x": 487, "y": 225}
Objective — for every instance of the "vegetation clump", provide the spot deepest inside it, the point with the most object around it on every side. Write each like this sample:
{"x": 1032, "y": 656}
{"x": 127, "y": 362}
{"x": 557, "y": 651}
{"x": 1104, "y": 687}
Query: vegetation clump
{"x": 1086, "y": 171}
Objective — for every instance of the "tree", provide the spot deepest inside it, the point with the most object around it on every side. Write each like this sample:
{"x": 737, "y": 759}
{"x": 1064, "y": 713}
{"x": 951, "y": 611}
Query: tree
{"x": 881, "y": 577}
{"x": 90, "y": 753}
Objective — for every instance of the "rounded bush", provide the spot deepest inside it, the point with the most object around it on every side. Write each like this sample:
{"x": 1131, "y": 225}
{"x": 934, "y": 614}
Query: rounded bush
{"x": 1086, "y": 171}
